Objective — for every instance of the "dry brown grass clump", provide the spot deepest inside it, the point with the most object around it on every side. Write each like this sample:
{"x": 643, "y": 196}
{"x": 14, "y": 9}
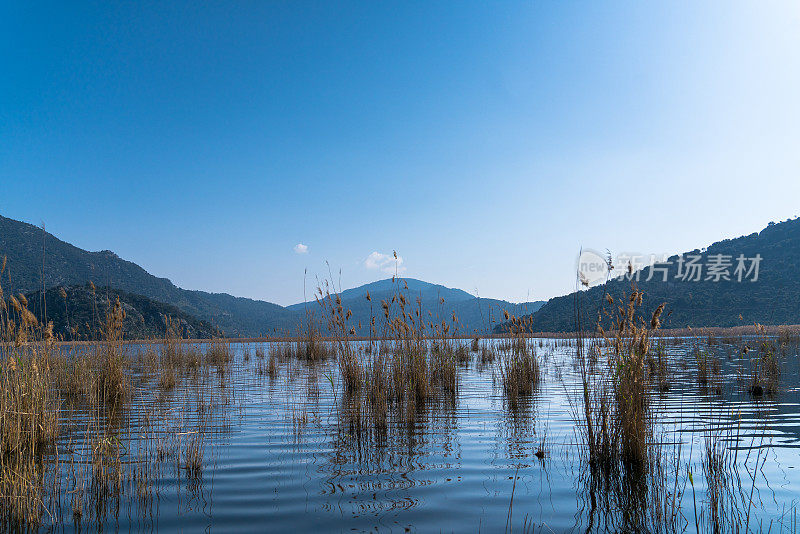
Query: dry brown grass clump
{"x": 193, "y": 456}
{"x": 219, "y": 353}
{"x": 632, "y": 479}
{"x": 631, "y": 343}
{"x": 310, "y": 346}
{"x": 28, "y": 406}
{"x": 443, "y": 365}
{"x": 99, "y": 371}
{"x": 399, "y": 374}
{"x": 29, "y": 409}
{"x": 658, "y": 367}
{"x": 488, "y": 355}
{"x": 519, "y": 374}
{"x": 519, "y": 367}
{"x": 112, "y": 382}
{"x": 268, "y": 366}
{"x": 616, "y": 420}
{"x": 708, "y": 369}
{"x": 351, "y": 368}
{"x": 462, "y": 354}
{"x": 765, "y": 369}
{"x": 272, "y": 366}
{"x": 167, "y": 378}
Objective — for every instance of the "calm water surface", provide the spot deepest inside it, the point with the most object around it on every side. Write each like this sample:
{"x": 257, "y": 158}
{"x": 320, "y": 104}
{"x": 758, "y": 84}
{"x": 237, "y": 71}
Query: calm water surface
{"x": 281, "y": 455}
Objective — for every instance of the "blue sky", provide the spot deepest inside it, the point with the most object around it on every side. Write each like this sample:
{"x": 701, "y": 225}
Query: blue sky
{"x": 484, "y": 142}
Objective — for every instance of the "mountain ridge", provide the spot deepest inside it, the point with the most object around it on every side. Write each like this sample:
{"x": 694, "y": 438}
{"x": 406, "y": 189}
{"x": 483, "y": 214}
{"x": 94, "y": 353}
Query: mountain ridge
{"x": 65, "y": 265}
{"x": 705, "y": 302}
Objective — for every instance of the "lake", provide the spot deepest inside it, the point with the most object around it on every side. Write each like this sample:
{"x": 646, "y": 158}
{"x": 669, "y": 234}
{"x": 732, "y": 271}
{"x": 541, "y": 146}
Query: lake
{"x": 242, "y": 447}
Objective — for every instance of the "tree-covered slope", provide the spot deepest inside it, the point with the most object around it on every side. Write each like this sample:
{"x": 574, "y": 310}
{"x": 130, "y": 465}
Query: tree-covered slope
{"x": 79, "y": 312}
{"x": 31, "y": 252}
{"x": 772, "y": 299}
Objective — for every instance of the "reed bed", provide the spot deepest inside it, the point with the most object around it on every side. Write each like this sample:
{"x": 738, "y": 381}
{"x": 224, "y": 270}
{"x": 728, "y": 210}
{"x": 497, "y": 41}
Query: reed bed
{"x": 621, "y": 455}
{"x": 409, "y": 365}
{"x": 764, "y": 365}
{"x": 658, "y": 370}
{"x": 66, "y": 414}
{"x": 518, "y": 367}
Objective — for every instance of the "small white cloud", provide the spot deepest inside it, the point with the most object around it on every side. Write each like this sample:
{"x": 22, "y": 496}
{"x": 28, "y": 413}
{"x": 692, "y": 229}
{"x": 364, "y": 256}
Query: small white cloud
{"x": 389, "y": 264}
{"x": 301, "y": 249}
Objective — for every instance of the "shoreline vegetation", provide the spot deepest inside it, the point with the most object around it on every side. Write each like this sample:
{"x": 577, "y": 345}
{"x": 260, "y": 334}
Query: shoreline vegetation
{"x": 385, "y": 385}
{"x": 714, "y": 332}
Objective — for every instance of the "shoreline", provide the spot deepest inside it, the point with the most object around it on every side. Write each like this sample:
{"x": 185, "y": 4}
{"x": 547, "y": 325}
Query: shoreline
{"x": 714, "y": 331}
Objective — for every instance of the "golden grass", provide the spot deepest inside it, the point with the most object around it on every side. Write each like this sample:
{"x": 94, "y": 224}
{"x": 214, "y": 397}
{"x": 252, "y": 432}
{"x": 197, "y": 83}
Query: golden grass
{"x": 41, "y": 379}
{"x": 615, "y": 414}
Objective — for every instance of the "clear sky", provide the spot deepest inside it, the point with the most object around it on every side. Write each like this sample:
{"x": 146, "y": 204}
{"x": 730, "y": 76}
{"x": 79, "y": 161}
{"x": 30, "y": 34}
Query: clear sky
{"x": 229, "y": 146}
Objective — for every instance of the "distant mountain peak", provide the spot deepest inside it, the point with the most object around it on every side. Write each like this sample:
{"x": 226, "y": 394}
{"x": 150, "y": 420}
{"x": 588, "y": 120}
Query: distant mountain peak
{"x": 406, "y": 285}
{"x": 475, "y": 315}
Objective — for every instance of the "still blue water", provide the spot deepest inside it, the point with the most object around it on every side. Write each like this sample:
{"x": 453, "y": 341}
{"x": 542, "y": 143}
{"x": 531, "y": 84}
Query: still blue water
{"x": 281, "y": 456}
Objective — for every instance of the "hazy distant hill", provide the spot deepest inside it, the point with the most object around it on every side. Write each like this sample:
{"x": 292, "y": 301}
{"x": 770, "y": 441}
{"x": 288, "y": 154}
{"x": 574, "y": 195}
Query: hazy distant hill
{"x": 474, "y": 314}
{"x": 83, "y": 312}
{"x": 66, "y": 265}
{"x": 773, "y": 299}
